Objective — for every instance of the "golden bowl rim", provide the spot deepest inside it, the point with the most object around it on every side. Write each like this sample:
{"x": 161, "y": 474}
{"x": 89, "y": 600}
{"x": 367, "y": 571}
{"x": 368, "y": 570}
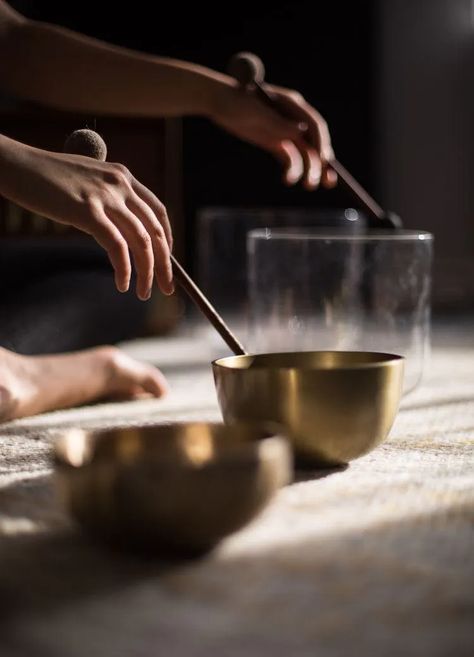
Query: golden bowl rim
{"x": 240, "y": 451}
{"x": 385, "y": 359}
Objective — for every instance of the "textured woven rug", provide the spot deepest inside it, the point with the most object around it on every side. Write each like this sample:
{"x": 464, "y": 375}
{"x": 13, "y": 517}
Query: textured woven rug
{"x": 376, "y": 559}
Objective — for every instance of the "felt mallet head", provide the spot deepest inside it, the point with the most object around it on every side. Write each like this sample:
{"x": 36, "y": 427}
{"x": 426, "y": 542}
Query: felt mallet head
{"x": 86, "y": 142}
{"x": 246, "y": 68}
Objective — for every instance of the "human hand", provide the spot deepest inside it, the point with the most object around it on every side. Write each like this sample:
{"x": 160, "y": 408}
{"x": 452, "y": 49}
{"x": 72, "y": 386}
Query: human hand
{"x": 99, "y": 198}
{"x": 301, "y": 143}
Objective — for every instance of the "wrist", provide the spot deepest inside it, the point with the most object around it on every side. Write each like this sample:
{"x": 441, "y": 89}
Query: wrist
{"x": 219, "y": 92}
{"x": 17, "y": 161}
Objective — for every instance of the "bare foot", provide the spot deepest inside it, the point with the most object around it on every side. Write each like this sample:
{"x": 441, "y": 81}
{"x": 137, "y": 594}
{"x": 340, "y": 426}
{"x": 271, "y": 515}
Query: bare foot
{"x": 36, "y": 384}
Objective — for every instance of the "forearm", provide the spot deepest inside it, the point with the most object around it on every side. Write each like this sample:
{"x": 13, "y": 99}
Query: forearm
{"x": 12, "y": 153}
{"x": 63, "y": 69}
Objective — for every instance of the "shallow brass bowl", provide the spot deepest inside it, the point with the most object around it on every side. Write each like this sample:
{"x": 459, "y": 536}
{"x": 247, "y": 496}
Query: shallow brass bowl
{"x": 334, "y": 405}
{"x": 177, "y": 488}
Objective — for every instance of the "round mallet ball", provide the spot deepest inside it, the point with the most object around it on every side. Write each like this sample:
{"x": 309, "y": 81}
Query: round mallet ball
{"x": 246, "y": 68}
{"x": 86, "y": 142}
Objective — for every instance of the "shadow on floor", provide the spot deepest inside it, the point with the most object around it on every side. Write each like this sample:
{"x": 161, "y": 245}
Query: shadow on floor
{"x": 308, "y": 473}
{"x": 49, "y": 551}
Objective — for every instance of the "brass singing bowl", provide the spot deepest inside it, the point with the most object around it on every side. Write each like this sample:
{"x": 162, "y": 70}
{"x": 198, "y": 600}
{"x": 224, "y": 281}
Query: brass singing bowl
{"x": 334, "y": 405}
{"x": 178, "y": 488}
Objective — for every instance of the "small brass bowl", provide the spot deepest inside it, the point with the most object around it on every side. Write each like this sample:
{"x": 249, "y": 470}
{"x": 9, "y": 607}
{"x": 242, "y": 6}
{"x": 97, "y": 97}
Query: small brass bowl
{"x": 334, "y": 405}
{"x": 177, "y": 488}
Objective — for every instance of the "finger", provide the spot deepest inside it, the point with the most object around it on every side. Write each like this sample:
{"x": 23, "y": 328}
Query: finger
{"x": 161, "y": 251}
{"x": 312, "y": 165}
{"x": 319, "y": 133}
{"x": 158, "y": 208}
{"x": 317, "y": 129}
{"x": 328, "y": 177}
{"x": 312, "y": 162}
{"x": 110, "y": 239}
{"x": 139, "y": 243}
{"x": 290, "y": 157}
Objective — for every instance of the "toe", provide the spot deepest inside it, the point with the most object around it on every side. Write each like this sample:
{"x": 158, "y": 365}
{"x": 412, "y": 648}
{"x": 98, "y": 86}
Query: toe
{"x": 127, "y": 376}
{"x": 154, "y": 382}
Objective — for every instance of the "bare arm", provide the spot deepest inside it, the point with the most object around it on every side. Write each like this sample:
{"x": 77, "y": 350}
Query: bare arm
{"x": 60, "y": 68}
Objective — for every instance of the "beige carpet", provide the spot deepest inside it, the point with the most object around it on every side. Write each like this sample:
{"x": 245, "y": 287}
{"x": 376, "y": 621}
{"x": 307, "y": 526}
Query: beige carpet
{"x": 374, "y": 560}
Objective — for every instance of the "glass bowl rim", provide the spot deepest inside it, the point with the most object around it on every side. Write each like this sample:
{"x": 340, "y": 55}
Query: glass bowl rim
{"x": 294, "y": 233}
